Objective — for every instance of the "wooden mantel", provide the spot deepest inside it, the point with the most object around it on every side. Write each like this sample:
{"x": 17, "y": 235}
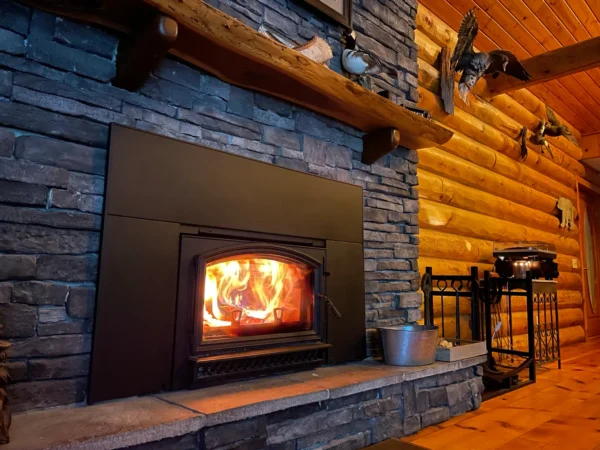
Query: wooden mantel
{"x": 237, "y": 54}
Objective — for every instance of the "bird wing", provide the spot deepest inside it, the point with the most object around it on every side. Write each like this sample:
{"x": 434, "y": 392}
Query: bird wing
{"x": 466, "y": 35}
{"x": 514, "y": 68}
{"x": 551, "y": 116}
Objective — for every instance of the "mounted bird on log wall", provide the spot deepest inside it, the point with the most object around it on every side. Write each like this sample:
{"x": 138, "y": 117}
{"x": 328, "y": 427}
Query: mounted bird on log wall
{"x": 474, "y": 65}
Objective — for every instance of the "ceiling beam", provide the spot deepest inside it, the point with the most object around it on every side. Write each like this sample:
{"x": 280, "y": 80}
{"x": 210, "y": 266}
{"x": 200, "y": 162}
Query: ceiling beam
{"x": 590, "y": 145}
{"x": 548, "y": 66}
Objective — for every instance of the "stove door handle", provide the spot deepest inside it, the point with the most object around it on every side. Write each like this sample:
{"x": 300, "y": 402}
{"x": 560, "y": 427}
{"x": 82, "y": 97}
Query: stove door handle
{"x": 334, "y": 310}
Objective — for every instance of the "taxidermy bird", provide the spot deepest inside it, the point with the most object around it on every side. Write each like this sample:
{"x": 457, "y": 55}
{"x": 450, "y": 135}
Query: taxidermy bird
{"x": 362, "y": 62}
{"x": 474, "y": 65}
{"x": 555, "y": 128}
{"x": 539, "y": 139}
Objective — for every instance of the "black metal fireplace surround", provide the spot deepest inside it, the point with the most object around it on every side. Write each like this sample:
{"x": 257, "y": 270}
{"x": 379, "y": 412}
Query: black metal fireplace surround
{"x": 215, "y": 267}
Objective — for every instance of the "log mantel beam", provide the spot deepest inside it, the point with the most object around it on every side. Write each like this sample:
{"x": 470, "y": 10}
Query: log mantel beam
{"x": 550, "y": 65}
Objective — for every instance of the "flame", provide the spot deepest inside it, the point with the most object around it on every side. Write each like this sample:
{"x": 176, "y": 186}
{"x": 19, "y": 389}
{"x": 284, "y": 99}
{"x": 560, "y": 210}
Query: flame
{"x": 252, "y": 290}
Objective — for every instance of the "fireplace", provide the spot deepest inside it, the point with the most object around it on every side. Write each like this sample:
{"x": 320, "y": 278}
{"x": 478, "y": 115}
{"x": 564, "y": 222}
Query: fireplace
{"x": 215, "y": 267}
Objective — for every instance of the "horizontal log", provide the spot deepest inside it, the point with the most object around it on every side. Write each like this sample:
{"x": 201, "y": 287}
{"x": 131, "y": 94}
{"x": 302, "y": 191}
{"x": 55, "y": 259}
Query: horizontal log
{"x": 465, "y": 123}
{"x": 437, "y": 244}
{"x": 570, "y": 281}
{"x": 566, "y": 300}
{"x": 446, "y": 218}
{"x": 442, "y": 190}
{"x": 568, "y": 336}
{"x": 490, "y": 115}
{"x": 567, "y": 318}
{"x": 515, "y": 172}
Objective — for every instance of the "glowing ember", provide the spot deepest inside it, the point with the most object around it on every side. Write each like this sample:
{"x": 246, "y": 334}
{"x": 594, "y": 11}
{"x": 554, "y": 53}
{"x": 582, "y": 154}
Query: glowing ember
{"x": 251, "y": 291}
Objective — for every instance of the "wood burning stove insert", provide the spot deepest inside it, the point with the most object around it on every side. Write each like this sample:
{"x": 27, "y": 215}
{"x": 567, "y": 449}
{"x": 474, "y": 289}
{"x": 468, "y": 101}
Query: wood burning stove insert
{"x": 215, "y": 267}
{"x": 249, "y": 308}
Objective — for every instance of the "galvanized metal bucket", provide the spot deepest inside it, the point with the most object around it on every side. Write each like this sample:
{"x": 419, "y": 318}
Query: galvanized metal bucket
{"x": 409, "y": 345}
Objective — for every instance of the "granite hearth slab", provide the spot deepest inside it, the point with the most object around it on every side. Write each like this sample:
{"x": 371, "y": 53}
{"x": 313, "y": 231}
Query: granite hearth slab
{"x": 140, "y": 420}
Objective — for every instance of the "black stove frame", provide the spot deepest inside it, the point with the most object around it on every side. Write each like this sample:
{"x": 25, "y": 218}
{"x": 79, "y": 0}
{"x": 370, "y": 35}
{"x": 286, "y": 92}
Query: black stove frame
{"x": 161, "y": 192}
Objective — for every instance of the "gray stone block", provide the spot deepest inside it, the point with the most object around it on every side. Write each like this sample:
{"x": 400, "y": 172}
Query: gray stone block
{"x": 90, "y": 203}
{"x": 20, "y": 238}
{"x": 17, "y": 320}
{"x": 409, "y": 391}
{"x": 11, "y": 42}
{"x": 92, "y": 40}
{"x": 375, "y": 215}
{"x": 180, "y": 73}
{"x": 26, "y": 172}
{"x": 412, "y": 425}
{"x": 70, "y": 59}
{"x": 63, "y": 90}
{"x": 68, "y": 106}
{"x": 5, "y": 292}
{"x": 24, "y": 65}
{"x": 51, "y": 218}
{"x": 169, "y": 92}
{"x": 51, "y": 346}
{"x": 86, "y": 184}
{"x": 461, "y": 408}
{"x": 241, "y": 102}
{"x": 30, "y": 118}
{"x": 67, "y": 268}
{"x": 458, "y": 393}
{"x": 7, "y": 137}
{"x": 17, "y": 370}
{"x": 56, "y": 368}
{"x": 406, "y": 251}
{"x": 455, "y": 376}
{"x": 333, "y": 434}
{"x": 411, "y": 300}
{"x": 64, "y": 327}
{"x": 394, "y": 264}
{"x": 6, "y": 82}
{"x": 42, "y": 25}
{"x": 17, "y": 267}
{"x": 380, "y": 204}
{"x": 280, "y": 23}
{"x": 51, "y": 314}
{"x": 281, "y": 138}
{"x": 14, "y": 16}
{"x": 186, "y": 442}
{"x": 476, "y": 385}
{"x": 223, "y": 126}
{"x": 111, "y": 93}
{"x": 22, "y": 193}
{"x": 60, "y": 198}
{"x": 434, "y": 416}
{"x": 350, "y": 442}
{"x": 40, "y": 293}
{"x": 235, "y": 431}
{"x": 210, "y": 101}
{"x": 46, "y": 394}
{"x": 273, "y": 119}
{"x": 438, "y": 397}
{"x": 422, "y": 397}
{"x": 80, "y": 303}
{"x": 214, "y": 86}
{"x": 293, "y": 164}
{"x": 389, "y": 426}
{"x": 273, "y": 104}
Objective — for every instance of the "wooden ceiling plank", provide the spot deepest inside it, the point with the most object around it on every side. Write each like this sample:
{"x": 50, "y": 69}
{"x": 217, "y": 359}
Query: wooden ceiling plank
{"x": 585, "y": 15}
{"x": 590, "y": 107}
{"x": 569, "y": 19}
{"x": 508, "y": 22}
{"x": 594, "y": 5}
{"x": 551, "y": 21}
{"x": 524, "y": 15}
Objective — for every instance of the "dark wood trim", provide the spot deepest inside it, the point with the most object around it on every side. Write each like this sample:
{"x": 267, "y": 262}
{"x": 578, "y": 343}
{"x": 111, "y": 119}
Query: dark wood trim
{"x": 379, "y": 143}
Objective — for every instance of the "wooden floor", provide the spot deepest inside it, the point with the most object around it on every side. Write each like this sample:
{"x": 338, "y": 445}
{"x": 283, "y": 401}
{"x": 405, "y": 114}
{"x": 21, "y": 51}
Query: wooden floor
{"x": 561, "y": 411}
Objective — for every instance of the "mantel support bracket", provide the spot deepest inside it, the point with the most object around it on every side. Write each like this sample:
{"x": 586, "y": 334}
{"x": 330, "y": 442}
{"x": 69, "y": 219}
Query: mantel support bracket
{"x": 379, "y": 143}
{"x": 142, "y": 51}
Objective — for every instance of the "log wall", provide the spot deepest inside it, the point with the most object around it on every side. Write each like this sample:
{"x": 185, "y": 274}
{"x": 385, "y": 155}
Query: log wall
{"x": 476, "y": 190}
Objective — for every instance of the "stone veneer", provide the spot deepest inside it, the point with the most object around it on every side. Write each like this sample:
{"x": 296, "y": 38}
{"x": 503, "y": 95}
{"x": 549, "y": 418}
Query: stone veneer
{"x": 56, "y": 103}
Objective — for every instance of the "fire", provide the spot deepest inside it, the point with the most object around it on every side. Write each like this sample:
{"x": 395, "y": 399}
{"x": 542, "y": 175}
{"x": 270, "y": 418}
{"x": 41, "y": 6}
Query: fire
{"x": 248, "y": 291}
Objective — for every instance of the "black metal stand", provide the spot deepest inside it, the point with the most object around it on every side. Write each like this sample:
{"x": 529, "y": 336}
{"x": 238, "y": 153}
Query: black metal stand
{"x": 495, "y": 291}
{"x": 457, "y": 287}
{"x": 547, "y": 329}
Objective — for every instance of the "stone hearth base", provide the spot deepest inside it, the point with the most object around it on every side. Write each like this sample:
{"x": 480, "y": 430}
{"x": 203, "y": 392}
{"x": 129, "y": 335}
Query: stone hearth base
{"x": 348, "y": 407}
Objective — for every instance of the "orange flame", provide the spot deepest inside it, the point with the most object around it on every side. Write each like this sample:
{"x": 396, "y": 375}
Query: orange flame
{"x": 252, "y": 291}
